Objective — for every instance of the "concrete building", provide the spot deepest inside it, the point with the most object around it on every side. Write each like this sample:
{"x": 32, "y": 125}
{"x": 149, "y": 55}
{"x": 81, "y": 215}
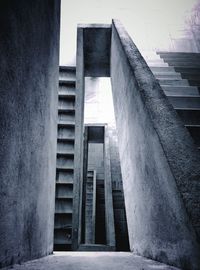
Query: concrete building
{"x": 99, "y": 156}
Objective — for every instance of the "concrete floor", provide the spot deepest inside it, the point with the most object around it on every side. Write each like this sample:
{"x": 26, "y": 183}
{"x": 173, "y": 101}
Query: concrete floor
{"x": 92, "y": 261}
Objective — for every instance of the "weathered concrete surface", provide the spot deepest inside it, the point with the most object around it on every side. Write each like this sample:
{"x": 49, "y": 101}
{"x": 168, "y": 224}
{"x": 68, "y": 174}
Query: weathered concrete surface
{"x": 97, "y": 40}
{"x": 29, "y": 35}
{"x": 160, "y": 164}
{"x": 93, "y": 260}
{"x": 78, "y": 154}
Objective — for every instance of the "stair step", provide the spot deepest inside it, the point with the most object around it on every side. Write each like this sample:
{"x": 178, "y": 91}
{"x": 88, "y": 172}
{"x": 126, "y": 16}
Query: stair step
{"x": 63, "y": 212}
{"x": 62, "y": 184}
{"x": 64, "y": 244}
{"x": 63, "y": 160}
{"x": 64, "y": 227}
{"x": 63, "y": 221}
{"x": 190, "y": 76}
{"x": 66, "y": 197}
{"x": 178, "y": 54}
{"x": 67, "y": 72}
{"x": 66, "y": 154}
{"x": 180, "y": 90}
{"x": 67, "y": 82}
{"x": 189, "y": 116}
{"x": 194, "y": 82}
{"x": 65, "y": 68}
{"x": 162, "y": 69}
{"x": 64, "y": 191}
{"x": 173, "y": 82}
{"x": 156, "y": 64}
{"x": 64, "y": 176}
{"x": 68, "y": 117}
{"x": 66, "y": 132}
{"x": 194, "y": 60}
{"x": 185, "y": 102}
{"x": 189, "y": 70}
{"x": 66, "y": 110}
{"x": 62, "y": 168}
{"x": 66, "y": 139}
{"x": 66, "y": 104}
{"x": 67, "y": 91}
{"x": 183, "y": 64}
{"x": 167, "y": 75}
{"x": 63, "y": 205}
{"x": 65, "y": 146}
{"x": 155, "y": 61}
{"x": 62, "y": 123}
{"x": 64, "y": 95}
{"x": 61, "y": 241}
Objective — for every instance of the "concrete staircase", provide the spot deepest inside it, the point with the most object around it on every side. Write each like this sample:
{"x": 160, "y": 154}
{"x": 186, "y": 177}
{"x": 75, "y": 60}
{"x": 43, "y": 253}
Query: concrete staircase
{"x": 179, "y": 76}
{"x": 65, "y": 159}
{"x": 90, "y": 208}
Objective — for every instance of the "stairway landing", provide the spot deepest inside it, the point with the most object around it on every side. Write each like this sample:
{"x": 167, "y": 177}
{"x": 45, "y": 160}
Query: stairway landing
{"x": 93, "y": 260}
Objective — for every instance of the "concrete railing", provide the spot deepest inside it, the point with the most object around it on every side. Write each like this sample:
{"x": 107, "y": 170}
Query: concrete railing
{"x": 159, "y": 161}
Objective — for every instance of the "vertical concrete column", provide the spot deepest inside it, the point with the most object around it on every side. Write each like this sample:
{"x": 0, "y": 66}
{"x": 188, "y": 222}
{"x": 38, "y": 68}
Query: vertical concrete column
{"x": 29, "y": 60}
{"x": 78, "y": 157}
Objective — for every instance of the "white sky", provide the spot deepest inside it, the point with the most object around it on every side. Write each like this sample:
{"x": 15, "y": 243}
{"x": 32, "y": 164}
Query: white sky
{"x": 149, "y": 22}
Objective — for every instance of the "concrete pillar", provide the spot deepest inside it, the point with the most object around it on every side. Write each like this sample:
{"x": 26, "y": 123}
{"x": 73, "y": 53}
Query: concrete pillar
{"x": 29, "y": 54}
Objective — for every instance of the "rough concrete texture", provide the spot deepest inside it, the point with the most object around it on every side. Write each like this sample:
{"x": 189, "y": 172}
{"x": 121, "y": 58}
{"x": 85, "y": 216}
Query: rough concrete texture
{"x": 29, "y": 52}
{"x": 160, "y": 164}
{"x": 93, "y": 260}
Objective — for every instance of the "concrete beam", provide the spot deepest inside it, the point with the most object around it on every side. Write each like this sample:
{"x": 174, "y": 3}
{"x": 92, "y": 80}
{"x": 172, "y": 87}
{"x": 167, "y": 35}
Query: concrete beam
{"x": 96, "y": 44}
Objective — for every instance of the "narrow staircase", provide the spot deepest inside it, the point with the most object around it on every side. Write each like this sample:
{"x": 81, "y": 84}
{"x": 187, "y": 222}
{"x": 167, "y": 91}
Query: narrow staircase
{"x": 100, "y": 218}
{"x": 179, "y": 77}
{"x": 65, "y": 159}
{"x": 90, "y": 208}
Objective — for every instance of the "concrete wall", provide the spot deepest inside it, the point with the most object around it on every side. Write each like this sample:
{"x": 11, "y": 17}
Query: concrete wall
{"x": 160, "y": 164}
{"x": 29, "y": 55}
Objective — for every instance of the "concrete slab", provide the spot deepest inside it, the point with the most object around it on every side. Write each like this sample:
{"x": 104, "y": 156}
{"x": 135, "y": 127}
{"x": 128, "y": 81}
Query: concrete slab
{"x": 93, "y": 260}
{"x": 97, "y": 42}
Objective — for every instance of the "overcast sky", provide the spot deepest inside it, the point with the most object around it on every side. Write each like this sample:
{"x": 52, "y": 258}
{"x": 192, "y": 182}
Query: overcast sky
{"x": 149, "y": 22}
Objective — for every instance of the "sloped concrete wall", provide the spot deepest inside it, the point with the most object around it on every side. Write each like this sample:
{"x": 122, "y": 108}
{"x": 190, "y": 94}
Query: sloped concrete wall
{"x": 160, "y": 164}
{"x": 29, "y": 54}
